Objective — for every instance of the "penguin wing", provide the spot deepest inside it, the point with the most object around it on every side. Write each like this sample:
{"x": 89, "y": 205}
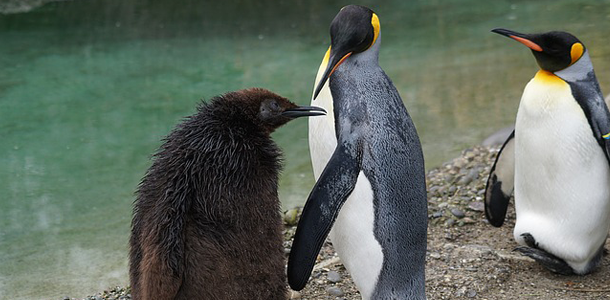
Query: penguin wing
{"x": 321, "y": 209}
{"x": 500, "y": 183}
{"x": 590, "y": 98}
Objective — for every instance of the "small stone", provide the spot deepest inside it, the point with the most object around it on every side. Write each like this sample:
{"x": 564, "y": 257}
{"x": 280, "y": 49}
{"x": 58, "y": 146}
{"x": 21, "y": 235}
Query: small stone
{"x": 334, "y": 291}
{"x": 472, "y": 175}
{"x": 468, "y": 220}
{"x": 476, "y": 206}
{"x": 471, "y": 293}
{"x": 435, "y": 255}
{"x": 437, "y": 214}
{"x": 449, "y": 222}
{"x": 290, "y": 217}
{"x": 458, "y": 212}
{"x": 459, "y": 163}
{"x": 295, "y": 295}
{"x": 333, "y": 276}
{"x": 448, "y": 178}
{"x": 442, "y": 204}
{"x": 452, "y": 190}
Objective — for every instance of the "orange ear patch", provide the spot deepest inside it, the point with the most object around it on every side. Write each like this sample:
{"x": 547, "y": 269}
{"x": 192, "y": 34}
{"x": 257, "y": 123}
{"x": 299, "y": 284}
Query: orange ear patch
{"x": 527, "y": 43}
{"x": 376, "y": 27}
{"x": 576, "y": 52}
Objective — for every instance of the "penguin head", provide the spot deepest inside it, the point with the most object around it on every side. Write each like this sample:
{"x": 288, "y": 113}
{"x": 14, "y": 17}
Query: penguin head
{"x": 268, "y": 110}
{"x": 354, "y": 30}
{"x": 553, "y": 50}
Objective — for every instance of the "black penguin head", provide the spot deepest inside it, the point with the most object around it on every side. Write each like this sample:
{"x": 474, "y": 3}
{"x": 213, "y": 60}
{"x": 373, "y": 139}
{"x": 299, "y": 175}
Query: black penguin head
{"x": 554, "y": 50}
{"x": 354, "y": 30}
{"x": 268, "y": 110}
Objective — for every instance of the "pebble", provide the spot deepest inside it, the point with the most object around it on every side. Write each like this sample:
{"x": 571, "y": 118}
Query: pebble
{"x": 335, "y": 291}
{"x": 452, "y": 190}
{"x": 448, "y": 178}
{"x": 476, "y": 206}
{"x": 458, "y": 212}
{"x": 291, "y": 217}
{"x": 468, "y": 220}
{"x": 460, "y": 292}
{"x": 471, "y": 293}
{"x": 437, "y": 214}
{"x": 469, "y": 177}
{"x": 333, "y": 276}
{"x": 295, "y": 295}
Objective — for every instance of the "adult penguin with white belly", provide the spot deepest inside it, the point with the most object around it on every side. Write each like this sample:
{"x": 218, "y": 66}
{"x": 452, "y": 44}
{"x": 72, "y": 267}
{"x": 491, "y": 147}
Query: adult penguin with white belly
{"x": 557, "y": 159}
{"x": 372, "y": 187}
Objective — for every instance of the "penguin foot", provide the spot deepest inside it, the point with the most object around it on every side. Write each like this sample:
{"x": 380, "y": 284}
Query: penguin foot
{"x": 547, "y": 260}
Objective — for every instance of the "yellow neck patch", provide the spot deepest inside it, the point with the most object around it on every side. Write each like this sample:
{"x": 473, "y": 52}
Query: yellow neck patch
{"x": 547, "y": 77}
{"x": 376, "y": 27}
{"x": 326, "y": 58}
{"x": 576, "y": 52}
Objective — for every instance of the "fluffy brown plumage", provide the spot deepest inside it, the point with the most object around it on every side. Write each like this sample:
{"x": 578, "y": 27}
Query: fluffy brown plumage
{"x": 206, "y": 222}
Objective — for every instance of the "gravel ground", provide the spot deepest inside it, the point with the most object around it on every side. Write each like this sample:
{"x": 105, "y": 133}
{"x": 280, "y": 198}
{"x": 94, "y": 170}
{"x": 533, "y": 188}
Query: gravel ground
{"x": 467, "y": 258}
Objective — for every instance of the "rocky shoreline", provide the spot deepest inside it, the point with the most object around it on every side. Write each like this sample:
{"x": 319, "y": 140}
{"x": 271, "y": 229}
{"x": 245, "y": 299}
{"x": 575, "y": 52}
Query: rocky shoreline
{"x": 466, "y": 259}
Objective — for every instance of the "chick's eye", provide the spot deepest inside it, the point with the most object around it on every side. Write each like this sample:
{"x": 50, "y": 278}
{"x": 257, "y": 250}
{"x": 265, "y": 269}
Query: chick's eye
{"x": 274, "y": 105}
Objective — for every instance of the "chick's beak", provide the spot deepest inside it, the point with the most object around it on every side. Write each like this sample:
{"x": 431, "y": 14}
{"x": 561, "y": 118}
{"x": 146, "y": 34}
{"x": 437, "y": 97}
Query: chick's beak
{"x": 304, "y": 111}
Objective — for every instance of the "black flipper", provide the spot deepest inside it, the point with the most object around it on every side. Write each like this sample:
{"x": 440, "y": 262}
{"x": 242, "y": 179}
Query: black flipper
{"x": 500, "y": 183}
{"x": 547, "y": 260}
{"x": 321, "y": 209}
{"x": 587, "y": 93}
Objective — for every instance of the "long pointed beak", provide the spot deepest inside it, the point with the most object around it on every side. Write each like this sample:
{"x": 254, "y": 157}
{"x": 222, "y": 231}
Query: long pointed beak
{"x": 519, "y": 37}
{"x": 334, "y": 62}
{"x": 304, "y": 111}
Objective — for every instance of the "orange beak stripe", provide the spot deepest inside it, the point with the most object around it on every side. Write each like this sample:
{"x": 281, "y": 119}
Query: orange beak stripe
{"x": 527, "y": 43}
{"x": 340, "y": 62}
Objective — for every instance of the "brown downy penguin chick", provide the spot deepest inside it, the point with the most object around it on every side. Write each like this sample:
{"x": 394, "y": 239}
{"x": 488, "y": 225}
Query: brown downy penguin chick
{"x": 206, "y": 222}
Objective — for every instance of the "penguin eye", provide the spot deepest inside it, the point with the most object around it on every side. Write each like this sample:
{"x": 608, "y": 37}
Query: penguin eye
{"x": 274, "y": 105}
{"x": 269, "y": 108}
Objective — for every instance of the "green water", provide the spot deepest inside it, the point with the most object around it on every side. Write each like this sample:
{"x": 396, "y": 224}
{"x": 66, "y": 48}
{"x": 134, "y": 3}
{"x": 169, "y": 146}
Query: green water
{"x": 88, "y": 88}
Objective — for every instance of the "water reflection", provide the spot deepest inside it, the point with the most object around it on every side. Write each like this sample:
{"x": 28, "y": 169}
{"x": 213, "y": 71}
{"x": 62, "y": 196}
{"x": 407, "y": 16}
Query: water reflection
{"x": 88, "y": 89}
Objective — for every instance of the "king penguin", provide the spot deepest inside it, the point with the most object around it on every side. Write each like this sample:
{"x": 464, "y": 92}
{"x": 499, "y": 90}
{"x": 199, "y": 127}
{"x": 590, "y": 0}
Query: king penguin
{"x": 369, "y": 167}
{"x": 556, "y": 160}
{"x": 206, "y": 221}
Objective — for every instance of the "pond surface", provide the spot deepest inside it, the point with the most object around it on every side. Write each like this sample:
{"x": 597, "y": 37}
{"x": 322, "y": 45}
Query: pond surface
{"x": 88, "y": 89}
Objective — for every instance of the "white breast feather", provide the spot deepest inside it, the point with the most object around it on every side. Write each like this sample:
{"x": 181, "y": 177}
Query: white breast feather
{"x": 561, "y": 175}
